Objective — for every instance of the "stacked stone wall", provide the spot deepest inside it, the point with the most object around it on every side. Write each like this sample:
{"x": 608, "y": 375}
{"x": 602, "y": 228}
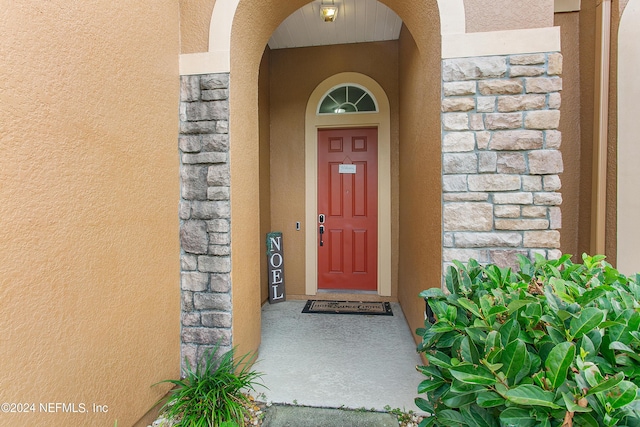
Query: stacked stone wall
{"x": 205, "y": 228}
{"x": 500, "y": 157}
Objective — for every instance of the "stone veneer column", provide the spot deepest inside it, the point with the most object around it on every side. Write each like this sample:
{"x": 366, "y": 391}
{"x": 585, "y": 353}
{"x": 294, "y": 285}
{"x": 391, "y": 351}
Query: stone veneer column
{"x": 501, "y": 157}
{"x": 205, "y": 229}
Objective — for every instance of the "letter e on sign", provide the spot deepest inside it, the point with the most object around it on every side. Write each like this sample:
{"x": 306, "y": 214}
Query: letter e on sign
{"x": 275, "y": 266}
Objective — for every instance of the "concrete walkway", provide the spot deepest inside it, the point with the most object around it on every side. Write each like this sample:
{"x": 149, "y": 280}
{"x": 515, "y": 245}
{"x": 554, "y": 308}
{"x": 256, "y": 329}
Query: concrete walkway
{"x": 331, "y": 360}
{"x": 294, "y": 416}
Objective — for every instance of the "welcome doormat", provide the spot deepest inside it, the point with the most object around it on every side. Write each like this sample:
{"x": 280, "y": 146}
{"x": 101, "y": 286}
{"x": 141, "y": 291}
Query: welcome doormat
{"x": 348, "y": 307}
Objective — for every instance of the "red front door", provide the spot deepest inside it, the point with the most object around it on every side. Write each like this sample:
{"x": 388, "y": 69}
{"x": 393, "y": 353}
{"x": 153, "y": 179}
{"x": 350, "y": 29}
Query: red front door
{"x": 348, "y": 205}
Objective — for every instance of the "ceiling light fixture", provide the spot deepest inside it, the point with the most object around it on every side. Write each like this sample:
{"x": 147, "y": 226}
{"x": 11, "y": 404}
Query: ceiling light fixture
{"x": 328, "y": 13}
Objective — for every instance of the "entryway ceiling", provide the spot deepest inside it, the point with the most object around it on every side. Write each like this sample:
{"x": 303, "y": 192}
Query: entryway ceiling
{"x": 357, "y": 21}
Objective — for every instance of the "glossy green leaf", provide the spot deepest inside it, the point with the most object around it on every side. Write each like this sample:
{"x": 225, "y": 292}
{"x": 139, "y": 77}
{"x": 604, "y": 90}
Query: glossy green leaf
{"x": 588, "y": 320}
{"x": 423, "y": 404}
{"x": 517, "y": 417}
{"x": 441, "y": 327}
{"x": 469, "y": 305}
{"x": 585, "y": 420}
{"x": 469, "y": 351}
{"x": 531, "y": 395}
{"x": 518, "y": 304}
{"x": 432, "y": 293}
{"x": 439, "y": 359}
{"x": 513, "y": 358}
{"x": 429, "y": 385}
{"x": 558, "y": 362}
{"x": 471, "y": 374}
{"x": 607, "y": 384}
{"x": 478, "y": 417}
{"x": 489, "y": 399}
{"x": 623, "y": 394}
{"x": 571, "y": 405}
{"x": 509, "y": 331}
{"x": 448, "y": 417}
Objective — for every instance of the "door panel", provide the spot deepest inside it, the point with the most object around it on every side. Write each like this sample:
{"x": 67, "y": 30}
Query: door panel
{"x": 347, "y": 196}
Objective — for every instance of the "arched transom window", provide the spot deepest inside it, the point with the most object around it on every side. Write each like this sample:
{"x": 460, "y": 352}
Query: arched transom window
{"x": 347, "y": 98}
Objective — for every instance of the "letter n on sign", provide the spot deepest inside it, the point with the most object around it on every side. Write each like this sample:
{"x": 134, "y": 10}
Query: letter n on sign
{"x": 275, "y": 265}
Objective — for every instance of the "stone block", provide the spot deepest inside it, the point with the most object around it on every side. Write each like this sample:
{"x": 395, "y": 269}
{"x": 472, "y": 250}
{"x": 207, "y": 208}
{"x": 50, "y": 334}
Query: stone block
{"x": 213, "y": 110}
{"x": 189, "y": 353}
{"x": 187, "y": 300}
{"x": 459, "y": 88}
{"x": 218, "y": 226}
{"x": 511, "y": 163}
{"x": 189, "y": 88}
{"x": 555, "y": 218}
{"x": 555, "y": 100}
{"x": 193, "y": 237}
{"x": 486, "y": 104}
{"x": 506, "y": 211}
{"x": 466, "y": 197}
{"x": 194, "y": 281}
{"x": 210, "y": 210}
{"x": 500, "y": 87}
{"x": 215, "y": 95}
{"x": 218, "y": 193}
{"x": 494, "y": 182}
{"x": 547, "y": 199}
{"x": 468, "y": 216}
{"x": 220, "y": 283}
{"x": 543, "y": 84}
{"x": 552, "y": 183}
{"x": 222, "y": 126}
{"x": 218, "y": 175}
{"x": 458, "y": 104}
{"x": 215, "y": 142}
{"x": 216, "y": 320}
{"x": 454, "y": 183}
{"x": 531, "y": 183}
{"x": 458, "y": 142}
{"x": 193, "y": 182}
{"x": 190, "y": 318}
{"x": 455, "y": 121}
{"x": 188, "y": 262}
{"x": 473, "y": 68}
{"x": 546, "y": 119}
{"x": 485, "y": 240}
{"x": 212, "y": 301}
{"x": 504, "y": 258}
{"x": 527, "y": 59}
{"x": 214, "y": 264}
{"x": 476, "y": 121}
{"x": 526, "y": 71}
{"x": 190, "y": 143}
{"x": 219, "y": 238}
{"x": 458, "y": 163}
{"x": 516, "y": 140}
{"x": 215, "y": 81}
{"x": 482, "y": 139}
{"x": 488, "y": 162}
{"x": 219, "y": 250}
{"x": 542, "y": 239}
{"x": 206, "y": 336}
{"x": 522, "y": 224}
{"x": 447, "y": 240}
{"x": 545, "y": 162}
{"x": 515, "y": 198}
{"x": 204, "y": 158}
{"x": 554, "y": 65}
{"x": 200, "y": 127}
{"x": 534, "y": 211}
{"x": 500, "y": 121}
{"x": 554, "y": 254}
{"x": 184, "y": 209}
{"x": 463, "y": 255}
{"x": 553, "y": 139}
{"x": 508, "y": 104}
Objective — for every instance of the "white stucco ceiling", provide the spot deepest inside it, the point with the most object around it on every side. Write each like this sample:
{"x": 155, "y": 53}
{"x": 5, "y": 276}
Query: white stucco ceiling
{"x": 357, "y": 21}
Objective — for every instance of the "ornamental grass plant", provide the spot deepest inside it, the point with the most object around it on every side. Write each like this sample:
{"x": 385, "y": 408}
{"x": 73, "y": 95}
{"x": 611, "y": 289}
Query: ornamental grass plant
{"x": 212, "y": 394}
{"x": 553, "y": 344}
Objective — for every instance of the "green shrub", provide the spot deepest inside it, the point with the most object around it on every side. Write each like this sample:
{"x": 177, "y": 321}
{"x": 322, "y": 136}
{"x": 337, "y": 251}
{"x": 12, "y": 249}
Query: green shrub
{"x": 555, "y": 344}
{"x": 212, "y": 393}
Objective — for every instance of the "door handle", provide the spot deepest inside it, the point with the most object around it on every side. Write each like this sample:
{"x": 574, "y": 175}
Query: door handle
{"x": 321, "y": 233}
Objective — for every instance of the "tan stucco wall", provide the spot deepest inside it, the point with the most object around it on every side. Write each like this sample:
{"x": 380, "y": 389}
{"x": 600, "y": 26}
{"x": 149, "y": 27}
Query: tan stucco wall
{"x": 264, "y": 101}
{"x": 295, "y": 73}
{"x": 420, "y": 172}
{"x": 497, "y": 15}
{"x": 195, "y": 18}
{"x": 89, "y": 260}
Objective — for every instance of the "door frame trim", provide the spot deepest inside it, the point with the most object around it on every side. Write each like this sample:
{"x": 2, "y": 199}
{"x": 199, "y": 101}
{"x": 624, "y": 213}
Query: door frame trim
{"x": 313, "y": 122}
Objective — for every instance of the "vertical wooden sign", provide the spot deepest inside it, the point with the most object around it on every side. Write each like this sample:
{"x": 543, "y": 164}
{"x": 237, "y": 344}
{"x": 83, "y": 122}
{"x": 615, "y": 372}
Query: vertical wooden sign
{"x": 275, "y": 266}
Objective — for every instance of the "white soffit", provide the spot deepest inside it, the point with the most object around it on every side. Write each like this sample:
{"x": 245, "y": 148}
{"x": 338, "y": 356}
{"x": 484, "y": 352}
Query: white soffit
{"x": 358, "y": 21}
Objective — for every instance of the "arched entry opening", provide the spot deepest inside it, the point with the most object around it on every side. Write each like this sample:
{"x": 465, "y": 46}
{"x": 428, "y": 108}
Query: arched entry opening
{"x": 414, "y": 96}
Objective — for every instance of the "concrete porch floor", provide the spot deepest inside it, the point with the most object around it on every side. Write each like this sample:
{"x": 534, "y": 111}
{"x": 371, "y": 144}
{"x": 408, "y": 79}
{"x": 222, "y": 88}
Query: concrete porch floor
{"x": 337, "y": 360}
